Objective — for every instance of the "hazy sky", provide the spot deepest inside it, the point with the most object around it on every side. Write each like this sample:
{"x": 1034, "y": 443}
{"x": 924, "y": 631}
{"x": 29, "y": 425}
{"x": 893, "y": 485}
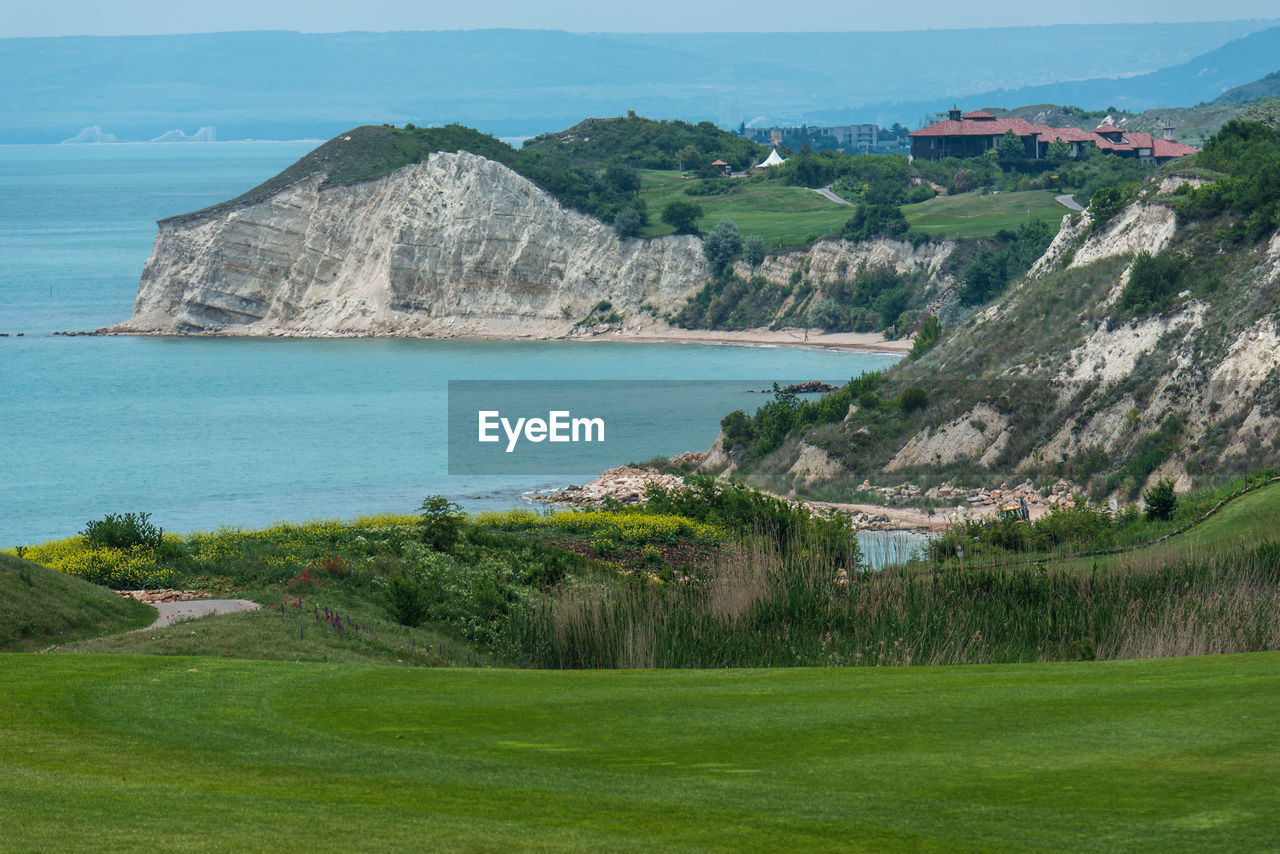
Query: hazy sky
{"x": 98, "y": 17}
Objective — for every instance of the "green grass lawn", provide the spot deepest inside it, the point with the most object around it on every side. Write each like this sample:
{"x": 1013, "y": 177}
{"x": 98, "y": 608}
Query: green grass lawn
{"x": 135, "y": 752}
{"x": 784, "y": 216}
{"x": 974, "y": 215}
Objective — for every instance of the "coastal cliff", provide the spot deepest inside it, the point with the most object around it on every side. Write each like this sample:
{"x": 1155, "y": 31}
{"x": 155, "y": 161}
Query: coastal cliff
{"x": 1079, "y": 370}
{"x": 457, "y": 245}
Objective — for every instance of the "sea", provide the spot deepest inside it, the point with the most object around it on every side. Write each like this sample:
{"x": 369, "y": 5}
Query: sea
{"x": 204, "y": 433}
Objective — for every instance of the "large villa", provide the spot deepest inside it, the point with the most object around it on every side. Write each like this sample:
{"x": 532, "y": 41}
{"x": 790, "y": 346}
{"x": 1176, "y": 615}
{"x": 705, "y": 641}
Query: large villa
{"x": 971, "y": 134}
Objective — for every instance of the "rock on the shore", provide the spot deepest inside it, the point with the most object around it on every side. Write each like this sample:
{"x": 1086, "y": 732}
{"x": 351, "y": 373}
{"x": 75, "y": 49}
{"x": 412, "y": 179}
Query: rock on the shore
{"x": 152, "y": 597}
{"x": 625, "y": 484}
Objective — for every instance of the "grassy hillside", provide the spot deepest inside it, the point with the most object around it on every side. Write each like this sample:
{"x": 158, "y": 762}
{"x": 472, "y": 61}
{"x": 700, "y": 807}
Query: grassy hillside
{"x": 40, "y": 607}
{"x": 126, "y": 753}
{"x": 783, "y": 215}
{"x": 969, "y": 215}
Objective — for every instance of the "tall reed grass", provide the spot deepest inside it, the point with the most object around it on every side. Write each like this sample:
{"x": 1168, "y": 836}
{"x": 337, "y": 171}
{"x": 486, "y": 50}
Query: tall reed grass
{"x": 760, "y": 606}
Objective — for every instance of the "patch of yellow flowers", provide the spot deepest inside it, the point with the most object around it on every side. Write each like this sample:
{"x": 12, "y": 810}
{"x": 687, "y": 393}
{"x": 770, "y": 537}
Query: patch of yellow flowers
{"x": 620, "y": 526}
{"x": 121, "y": 569}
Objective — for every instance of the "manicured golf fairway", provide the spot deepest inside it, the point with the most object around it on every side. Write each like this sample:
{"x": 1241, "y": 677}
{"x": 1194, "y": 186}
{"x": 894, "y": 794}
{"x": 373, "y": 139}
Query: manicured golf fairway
{"x": 974, "y": 215}
{"x": 162, "y": 753}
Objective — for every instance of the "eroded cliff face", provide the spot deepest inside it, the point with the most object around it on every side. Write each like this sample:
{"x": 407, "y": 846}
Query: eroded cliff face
{"x": 458, "y": 245}
{"x": 1056, "y": 378}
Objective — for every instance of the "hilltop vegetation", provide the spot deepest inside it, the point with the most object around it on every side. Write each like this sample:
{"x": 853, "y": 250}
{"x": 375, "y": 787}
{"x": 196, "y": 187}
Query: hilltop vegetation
{"x": 591, "y": 167}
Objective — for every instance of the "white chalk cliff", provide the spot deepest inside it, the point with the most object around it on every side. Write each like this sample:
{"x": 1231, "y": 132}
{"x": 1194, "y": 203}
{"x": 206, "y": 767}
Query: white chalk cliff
{"x": 456, "y": 246}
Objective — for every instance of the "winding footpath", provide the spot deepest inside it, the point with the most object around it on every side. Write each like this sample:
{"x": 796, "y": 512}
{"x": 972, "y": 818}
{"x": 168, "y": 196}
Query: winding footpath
{"x": 1067, "y": 200}
{"x": 826, "y": 193}
{"x": 171, "y": 612}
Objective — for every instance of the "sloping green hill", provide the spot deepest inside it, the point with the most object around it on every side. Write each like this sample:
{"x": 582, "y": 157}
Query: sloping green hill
{"x": 40, "y": 606}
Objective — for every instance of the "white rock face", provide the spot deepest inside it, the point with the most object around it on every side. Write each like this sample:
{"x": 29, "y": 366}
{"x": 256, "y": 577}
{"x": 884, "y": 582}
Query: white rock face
{"x": 815, "y": 464}
{"x": 979, "y": 434}
{"x": 458, "y": 245}
{"x": 1138, "y": 228}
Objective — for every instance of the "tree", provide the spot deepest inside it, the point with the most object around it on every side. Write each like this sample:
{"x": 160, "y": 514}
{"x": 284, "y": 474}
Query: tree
{"x": 875, "y": 220}
{"x": 682, "y": 216}
{"x": 1011, "y": 147}
{"x": 688, "y": 157}
{"x": 1058, "y": 151}
{"x": 1266, "y": 111}
{"x": 622, "y": 178}
{"x": 1105, "y": 204}
{"x": 753, "y": 251}
{"x": 930, "y": 332}
{"x": 441, "y": 523}
{"x": 827, "y": 314}
{"x": 628, "y": 223}
{"x": 1161, "y": 501}
{"x": 722, "y": 245}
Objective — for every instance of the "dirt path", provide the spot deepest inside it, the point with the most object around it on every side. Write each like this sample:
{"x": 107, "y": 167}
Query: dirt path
{"x": 827, "y": 193}
{"x": 1069, "y": 201}
{"x": 171, "y": 612}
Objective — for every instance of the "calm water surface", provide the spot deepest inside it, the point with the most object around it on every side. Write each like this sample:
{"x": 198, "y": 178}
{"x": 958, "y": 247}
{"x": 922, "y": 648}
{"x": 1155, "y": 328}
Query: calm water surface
{"x": 211, "y": 432}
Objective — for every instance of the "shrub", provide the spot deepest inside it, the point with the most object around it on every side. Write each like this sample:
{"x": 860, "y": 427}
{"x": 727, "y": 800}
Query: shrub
{"x": 722, "y": 245}
{"x": 1161, "y": 501}
{"x": 123, "y": 531}
{"x": 875, "y": 220}
{"x": 628, "y": 223}
{"x": 682, "y": 216}
{"x": 827, "y": 314}
{"x": 929, "y": 334}
{"x": 913, "y": 398}
{"x": 1152, "y": 280}
{"x": 405, "y": 599}
{"x": 441, "y": 523}
{"x": 1106, "y": 203}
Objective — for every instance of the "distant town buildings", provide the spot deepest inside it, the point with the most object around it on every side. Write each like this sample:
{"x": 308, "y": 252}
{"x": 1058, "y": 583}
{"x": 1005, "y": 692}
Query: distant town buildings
{"x": 971, "y": 134}
{"x": 853, "y": 139}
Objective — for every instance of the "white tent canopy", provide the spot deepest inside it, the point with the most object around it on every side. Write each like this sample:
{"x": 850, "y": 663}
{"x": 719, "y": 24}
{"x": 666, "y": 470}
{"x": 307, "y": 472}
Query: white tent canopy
{"x": 772, "y": 160}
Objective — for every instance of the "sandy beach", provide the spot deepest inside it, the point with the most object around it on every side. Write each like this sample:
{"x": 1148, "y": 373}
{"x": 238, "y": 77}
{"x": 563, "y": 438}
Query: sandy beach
{"x": 872, "y": 342}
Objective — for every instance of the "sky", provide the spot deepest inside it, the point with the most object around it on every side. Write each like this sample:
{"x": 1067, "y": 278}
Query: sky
{"x": 20, "y": 18}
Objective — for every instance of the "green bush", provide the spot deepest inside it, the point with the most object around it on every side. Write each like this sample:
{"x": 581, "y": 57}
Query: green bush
{"x": 406, "y": 600}
{"x": 871, "y": 220}
{"x": 1161, "y": 501}
{"x": 1248, "y": 153}
{"x": 123, "y": 531}
{"x": 682, "y": 216}
{"x": 928, "y": 336}
{"x": 722, "y": 245}
{"x": 1152, "y": 281}
{"x": 912, "y": 399}
{"x": 441, "y": 524}
{"x": 1106, "y": 203}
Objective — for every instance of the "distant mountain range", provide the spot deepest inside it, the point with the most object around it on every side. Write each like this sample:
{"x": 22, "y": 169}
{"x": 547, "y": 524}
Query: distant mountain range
{"x": 1204, "y": 78}
{"x": 277, "y": 85}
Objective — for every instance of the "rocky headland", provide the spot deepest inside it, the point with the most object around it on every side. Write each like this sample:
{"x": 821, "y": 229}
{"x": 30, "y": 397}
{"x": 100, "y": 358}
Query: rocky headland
{"x": 454, "y": 246}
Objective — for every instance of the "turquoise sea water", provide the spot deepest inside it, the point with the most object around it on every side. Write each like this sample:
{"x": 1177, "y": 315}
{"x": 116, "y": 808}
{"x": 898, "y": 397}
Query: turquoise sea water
{"x": 209, "y": 432}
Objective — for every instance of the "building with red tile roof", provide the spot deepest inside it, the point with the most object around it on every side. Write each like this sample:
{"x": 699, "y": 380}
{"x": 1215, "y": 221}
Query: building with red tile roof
{"x": 971, "y": 134}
